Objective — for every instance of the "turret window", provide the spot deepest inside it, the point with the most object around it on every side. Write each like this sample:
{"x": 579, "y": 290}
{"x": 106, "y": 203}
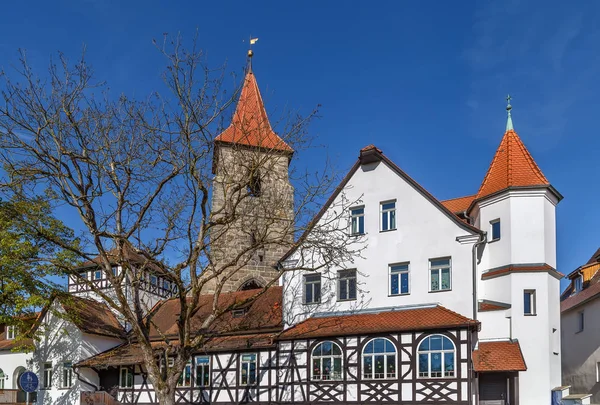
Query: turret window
{"x": 529, "y": 302}
{"x": 495, "y": 229}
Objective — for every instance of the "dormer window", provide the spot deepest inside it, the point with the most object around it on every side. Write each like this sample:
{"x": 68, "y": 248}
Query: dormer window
{"x": 11, "y": 332}
{"x": 238, "y": 313}
{"x": 578, "y": 283}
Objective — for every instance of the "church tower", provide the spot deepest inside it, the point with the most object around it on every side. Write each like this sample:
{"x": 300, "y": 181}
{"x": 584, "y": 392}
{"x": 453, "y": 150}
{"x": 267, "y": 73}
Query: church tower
{"x": 252, "y": 198}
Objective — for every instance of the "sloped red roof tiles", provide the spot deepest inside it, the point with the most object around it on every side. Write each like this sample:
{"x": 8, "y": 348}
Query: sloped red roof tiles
{"x": 512, "y": 166}
{"x": 498, "y": 356}
{"x": 459, "y": 204}
{"x": 250, "y": 125}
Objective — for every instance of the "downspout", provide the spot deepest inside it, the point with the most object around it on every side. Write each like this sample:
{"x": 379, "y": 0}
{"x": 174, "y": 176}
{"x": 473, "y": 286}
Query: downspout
{"x": 482, "y": 240}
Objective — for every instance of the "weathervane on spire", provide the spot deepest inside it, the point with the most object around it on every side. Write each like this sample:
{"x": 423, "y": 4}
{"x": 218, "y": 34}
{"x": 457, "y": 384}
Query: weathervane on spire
{"x": 250, "y": 52}
{"x": 509, "y": 123}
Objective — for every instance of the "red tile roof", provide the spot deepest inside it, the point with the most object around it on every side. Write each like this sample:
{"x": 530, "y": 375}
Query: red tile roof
{"x": 250, "y": 125}
{"x": 590, "y": 291}
{"x": 459, "y": 204}
{"x": 521, "y": 268}
{"x": 92, "y": 316}
{"x": 490, "y": 306}
{"x": 425, "y": 318}
{"x": 498, "y": 356}
{"x": 512, "y": 166}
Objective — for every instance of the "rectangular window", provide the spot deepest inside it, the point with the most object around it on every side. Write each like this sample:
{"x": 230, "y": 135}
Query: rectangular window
{"x": 47, "y": 380}
{"x": 399, "y": 279}
{"x": 97, "y": 274}
{"x": 495, "y": 229}
{"x": 248, "y": 369}
{"x": 580, "y": 321}
{"x": 346, "y": 285}
{"x": 11, "y": 332}
{"x": 126, "y": 378}
{"x": 67, "y": 375}
{"x": 167, "y": 285}
{"x": 153, "y": 280}
{"x": 115, "y": 271}
{"x": 440, "y": 274}
{"x": 202, "y": 371}
{"x": 598, "y": 371}
{"x": 529, "y": 302}
{"x": 357, "y": 221}
{"x": 388, "y": 216}
{"x": 83, "y": 275}
{"x": 185, "y": 379}
{"x": 579, "y": 283}
{"x": 312, "y": 288}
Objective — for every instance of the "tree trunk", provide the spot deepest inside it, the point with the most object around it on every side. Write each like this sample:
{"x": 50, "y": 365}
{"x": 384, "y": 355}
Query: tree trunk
{"x": 165, "y": 396}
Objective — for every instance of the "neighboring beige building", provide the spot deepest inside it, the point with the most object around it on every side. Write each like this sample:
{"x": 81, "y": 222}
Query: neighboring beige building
{"x": 580, "y": 315}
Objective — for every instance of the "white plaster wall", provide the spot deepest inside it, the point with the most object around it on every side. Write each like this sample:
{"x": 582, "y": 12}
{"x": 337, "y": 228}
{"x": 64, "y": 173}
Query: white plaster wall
{"x": 494, "y": 324}
{"x": 11, "y": 363}
{"x": 423, "y": 232}
{"x": 496, "y": 253}
{"x": 528, "y": 229}
{"x": 494, "y": 289}
{"x": 581, "y": 351}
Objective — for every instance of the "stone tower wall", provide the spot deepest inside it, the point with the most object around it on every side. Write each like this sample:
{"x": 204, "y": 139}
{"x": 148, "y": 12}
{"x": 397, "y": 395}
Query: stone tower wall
{"x": 257, "y": 229}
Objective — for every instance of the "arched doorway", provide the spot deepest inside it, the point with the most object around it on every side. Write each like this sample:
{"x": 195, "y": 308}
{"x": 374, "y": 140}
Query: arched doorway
{"x": 251, "y": 284}
{"x": 21, "y": 395}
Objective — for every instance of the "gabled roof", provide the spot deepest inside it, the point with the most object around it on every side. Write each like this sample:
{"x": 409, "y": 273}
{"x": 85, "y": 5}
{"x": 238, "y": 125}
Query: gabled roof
{"x": 512, "y": 166}
{"x": 498, "y": 356}
{"x": 91, "y": 316}
{"x": 591, "y": 291}
{"x": 250, "y": 125}
{"x": 401, "y": 320}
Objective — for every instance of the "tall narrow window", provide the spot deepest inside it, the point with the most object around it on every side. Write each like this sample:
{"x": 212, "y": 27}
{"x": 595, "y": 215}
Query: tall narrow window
{"x": 440, "y": 274}
{"x": 579, "y": 283}
{"x": 436, "y": 357}
{"x": 202, "y": 371}
{"x": 327, "y": 362}
{"x": 11, "y": 332}
{"x": 598, "y": 371}
{"x": 529, "y": 302}
{"x": 495, "y": 228}
{"x": 67, "y": 374}
{"x": 185, "y": 379}
{"x": 2, "y": 378}
{"x": 248, "y": 369}
{"x": 347, "y": 285}
{"x": 379, "y": 359}
{"x": 357, "y": 221}
{"x": 388, "y": 216}
{"x": 126, "y": 378}
{"x": 153, "y": 280}
{"x": 47, "y": 381}
{"x": 254, "y": 184}
{"x": 399, "y": 279}
{"x": 312, "y": 288}
{"x": 580, "y": 321}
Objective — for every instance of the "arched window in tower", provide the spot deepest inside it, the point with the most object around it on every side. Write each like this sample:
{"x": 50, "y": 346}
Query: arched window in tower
{"x": 251, "y": 284}
{"x": 379, "y": 359}
{"x": 436, "y": 357}
{"x": 327, "y": 362}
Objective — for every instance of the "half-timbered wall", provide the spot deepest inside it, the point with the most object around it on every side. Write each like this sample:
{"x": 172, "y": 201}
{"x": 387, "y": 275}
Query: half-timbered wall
{"x": 283, "y": 376}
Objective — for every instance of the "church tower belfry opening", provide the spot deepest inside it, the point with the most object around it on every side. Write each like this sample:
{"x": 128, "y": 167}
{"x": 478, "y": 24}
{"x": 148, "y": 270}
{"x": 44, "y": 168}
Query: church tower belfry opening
{"x": 252, "y": 198}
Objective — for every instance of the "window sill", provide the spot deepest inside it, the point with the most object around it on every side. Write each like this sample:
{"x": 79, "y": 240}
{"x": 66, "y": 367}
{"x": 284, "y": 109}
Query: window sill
{"x": 493, "y": 241}
{"x": 440, "y": 291}
{"x": 387, "y": 230}
{"x": 346, "y": 300}
{"x": 378, "y": 379}
{"x": 357, "y": 235}
{"x": 399, "y": 295}
{"x": 579, "y": 331}
{"x": 311, "y": 303}
{"x": 529, "y": 314}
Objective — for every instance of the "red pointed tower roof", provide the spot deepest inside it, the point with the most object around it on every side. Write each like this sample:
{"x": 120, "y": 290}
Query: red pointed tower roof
{"x": 250, "y": 125}
{"x": 512, "y": 165}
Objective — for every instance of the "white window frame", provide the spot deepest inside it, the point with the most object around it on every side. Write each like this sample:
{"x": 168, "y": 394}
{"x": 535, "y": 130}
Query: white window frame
{"x": 129, "y": 374}
{"x": 532, "y": 302}
{"x": 355, "y": 226}
{"x": 246, "y": 364}
{"x": 391, "y": 225}
{"x": 97, "y": 274}
{"x": 310, "y": 284}
{"x": 439, "y": 270}
{"x": 386, "y": 375}
{"x": 67, "y": 374}
{"x": 399, "y": 274}
{"x": 187, "y": 371}
{"x": 578, "y": 283}
{"x": 47, "y": 375}
{"x": 598, "y": 371}
{"x": 11, "y": 332}
{"x": 345, "y": 276}
{"x": 333, "y": 376}
{"x": 492, "y": 236}
{"x": 206, "y": 371}
{"x": 444, "y": 373}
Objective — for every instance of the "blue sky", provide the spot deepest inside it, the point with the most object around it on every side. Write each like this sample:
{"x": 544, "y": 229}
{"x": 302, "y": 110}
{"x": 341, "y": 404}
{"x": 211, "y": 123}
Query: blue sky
{"x": 424, "y": 81}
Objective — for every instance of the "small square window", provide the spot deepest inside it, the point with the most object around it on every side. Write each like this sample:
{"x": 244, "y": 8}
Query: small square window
{"x": 388, "y": 216}
{"x": 346, "y": 285}
{"x": 312, "y": 288}
{"x": 580, "y": 321}
{"x": 357, "y": 221}
{"x": 529, "y": 302}
{"x": 399, "y": 279}
{"x": 495, "y": 228}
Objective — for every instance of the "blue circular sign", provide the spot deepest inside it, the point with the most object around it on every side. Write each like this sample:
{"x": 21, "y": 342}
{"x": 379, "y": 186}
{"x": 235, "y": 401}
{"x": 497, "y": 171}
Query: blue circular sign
{"x": 28, "y": 381}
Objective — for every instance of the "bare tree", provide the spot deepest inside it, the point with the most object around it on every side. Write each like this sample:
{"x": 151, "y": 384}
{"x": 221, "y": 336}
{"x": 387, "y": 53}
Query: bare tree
{"x": 138, "y": 174}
